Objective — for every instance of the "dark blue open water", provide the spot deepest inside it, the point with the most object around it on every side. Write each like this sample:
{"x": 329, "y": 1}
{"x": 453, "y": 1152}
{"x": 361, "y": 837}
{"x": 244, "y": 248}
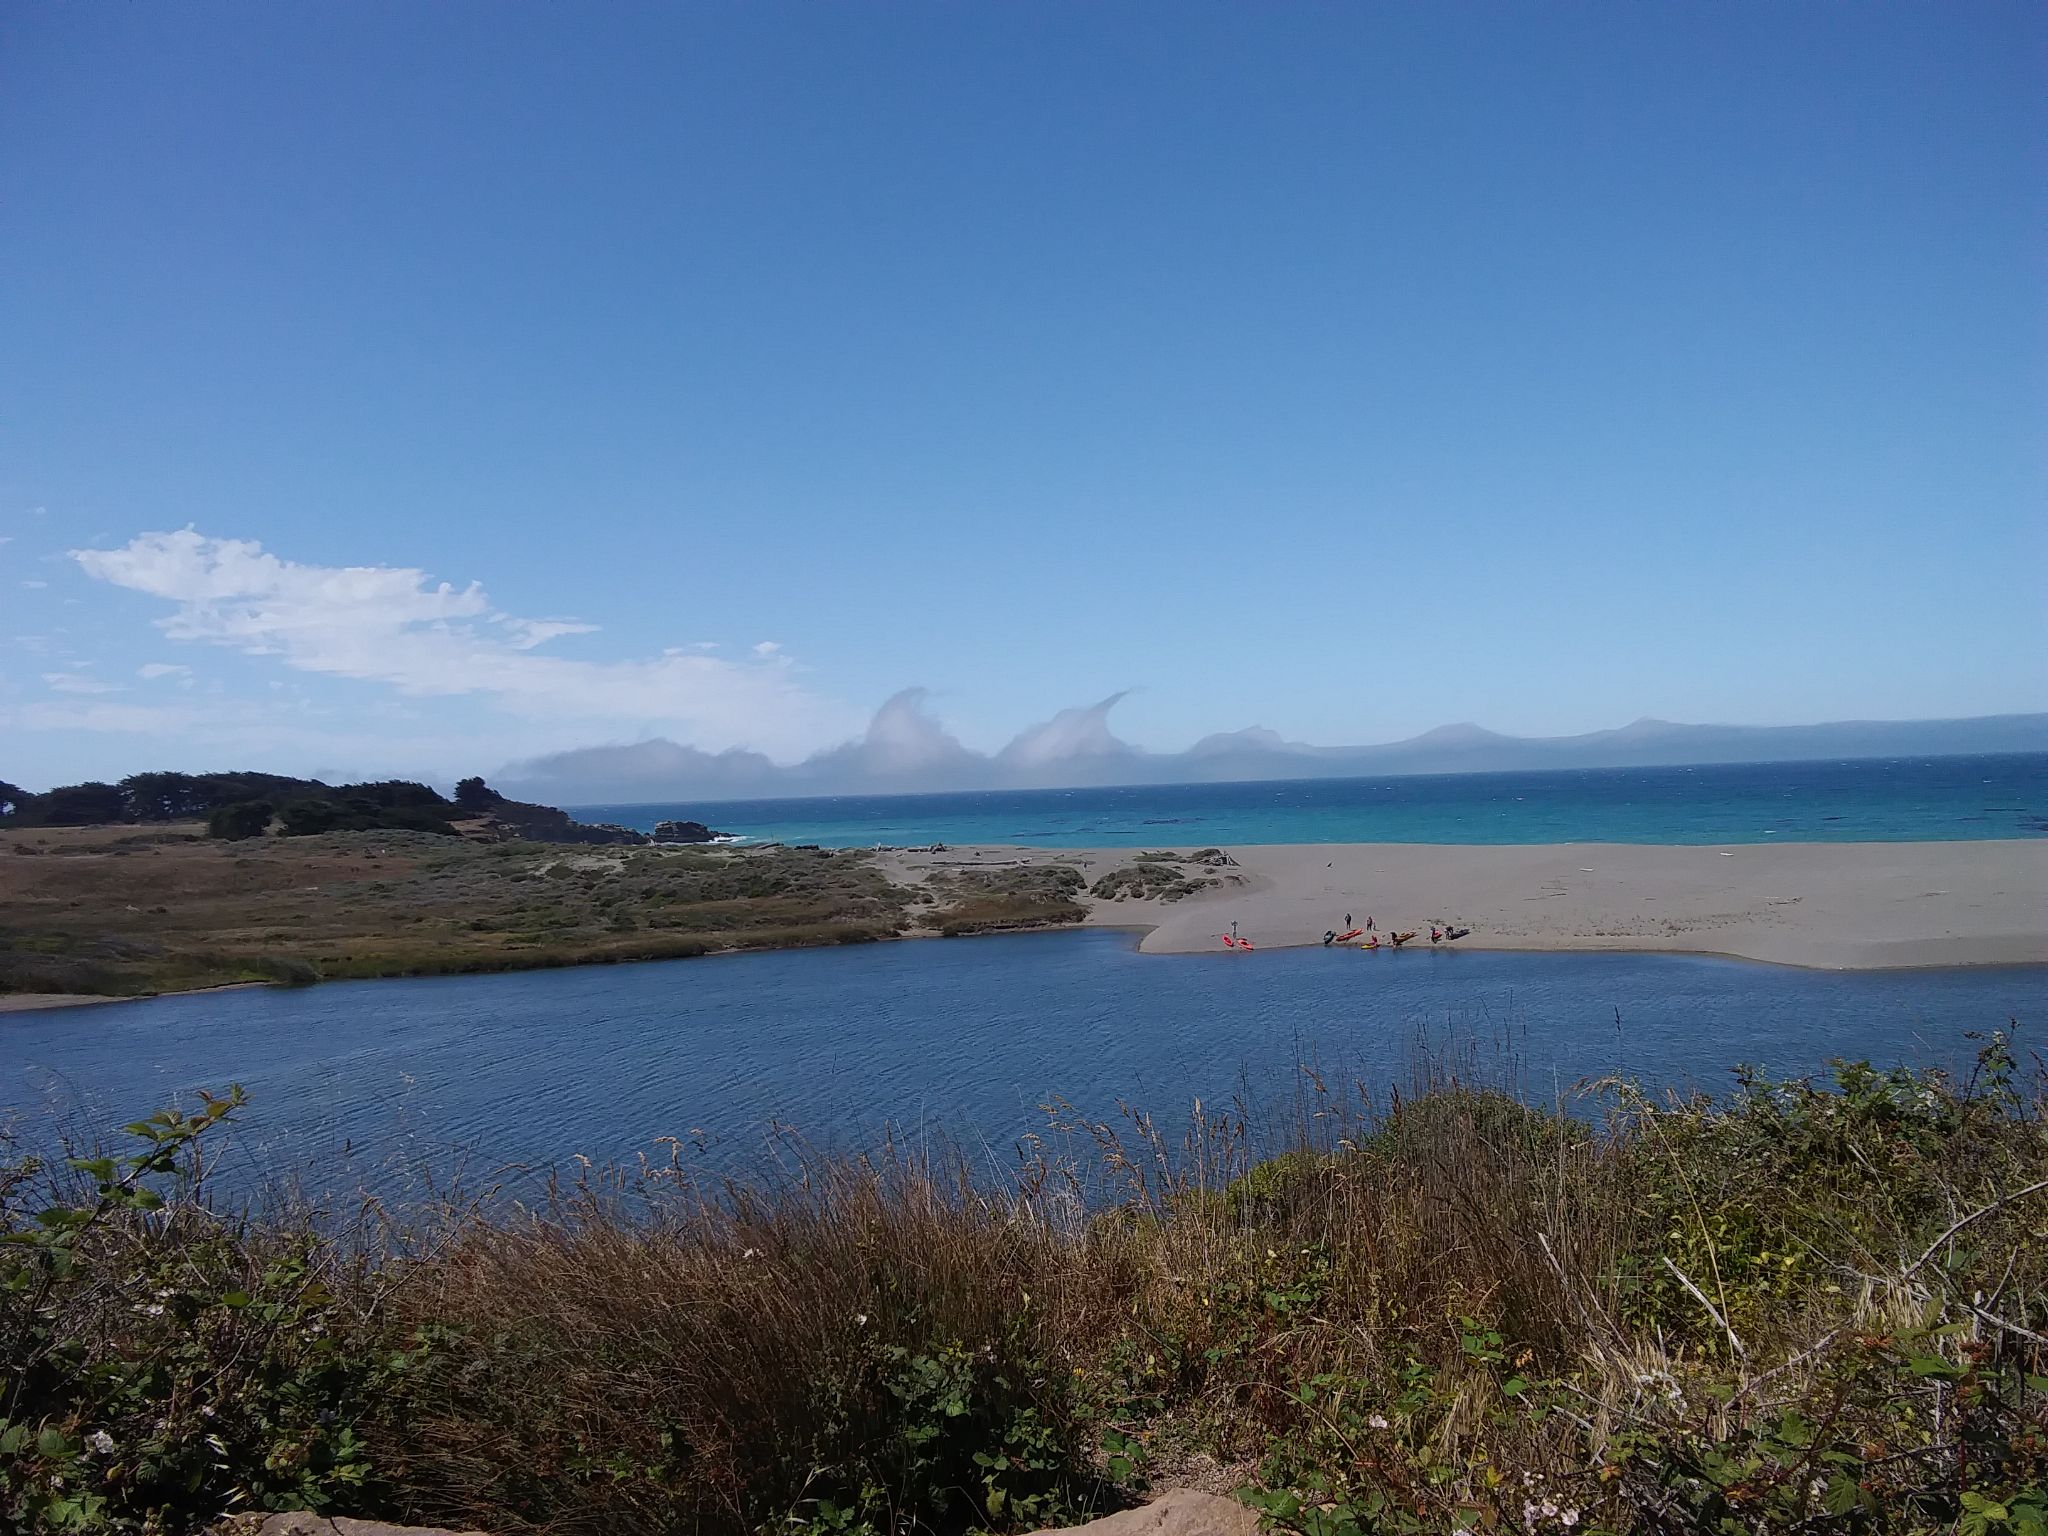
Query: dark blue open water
{"x": 966, "y": 1036}
{"x": 1875, "y": 800}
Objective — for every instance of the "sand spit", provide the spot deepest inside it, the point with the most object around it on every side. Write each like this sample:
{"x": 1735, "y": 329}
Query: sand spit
{"x": 1847, "y": 906}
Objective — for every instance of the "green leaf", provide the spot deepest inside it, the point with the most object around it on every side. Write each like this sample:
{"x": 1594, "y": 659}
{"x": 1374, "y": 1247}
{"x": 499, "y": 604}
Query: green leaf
{"x": 1934, "y": 1366}
{"x": 1842, "y": 1496}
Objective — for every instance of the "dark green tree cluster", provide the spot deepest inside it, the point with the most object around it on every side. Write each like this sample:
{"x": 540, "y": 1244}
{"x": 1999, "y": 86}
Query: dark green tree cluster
{"x": 243, "y": 805}
{"x": 239, "y": 805}
{"x": 147, "y": 797}
{"x": 392, "y": 804}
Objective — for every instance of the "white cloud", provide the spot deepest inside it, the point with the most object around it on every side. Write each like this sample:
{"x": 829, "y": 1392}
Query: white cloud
{"x": 77, "y": 682}
{"x": 150, "y": 671}
{"x": 35, "y": 585}
{"x": 142, "y": 719}
{"x": 1079, "y": 732}
{"x": 395, "y": 626}
{"x": 767, "y": 648}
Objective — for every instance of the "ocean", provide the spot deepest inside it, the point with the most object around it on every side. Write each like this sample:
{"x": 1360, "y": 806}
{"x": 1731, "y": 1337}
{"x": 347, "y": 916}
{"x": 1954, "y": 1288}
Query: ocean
{"x": 1867, "y": 800}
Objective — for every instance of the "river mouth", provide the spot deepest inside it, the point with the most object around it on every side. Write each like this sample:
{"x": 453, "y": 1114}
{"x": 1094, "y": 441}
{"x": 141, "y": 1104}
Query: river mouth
{"x": 372, "y": 1084}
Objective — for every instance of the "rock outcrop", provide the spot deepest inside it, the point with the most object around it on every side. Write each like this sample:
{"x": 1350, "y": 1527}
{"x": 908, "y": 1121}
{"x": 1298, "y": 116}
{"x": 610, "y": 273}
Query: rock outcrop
{"x": 1182, "y": 1512}
{"x": 684, "y": 832}
{"x": 302, "y": 1524}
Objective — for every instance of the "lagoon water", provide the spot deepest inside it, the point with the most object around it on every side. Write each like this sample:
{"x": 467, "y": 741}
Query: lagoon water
{"x": 1873, "y": 800}
{"x": 968, "y": 1037}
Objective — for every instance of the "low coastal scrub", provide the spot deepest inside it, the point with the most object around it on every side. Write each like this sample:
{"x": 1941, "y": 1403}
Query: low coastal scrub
{"x": 122, "y": 913}
{"x": 996, "y": 900}
{"x": 1149, "y": 880}
{"x": 1812, "y": 1306}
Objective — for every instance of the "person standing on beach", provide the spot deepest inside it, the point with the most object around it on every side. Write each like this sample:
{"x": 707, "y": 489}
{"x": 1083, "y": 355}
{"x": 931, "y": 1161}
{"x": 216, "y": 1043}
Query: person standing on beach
{"x": 1347, "y": 919}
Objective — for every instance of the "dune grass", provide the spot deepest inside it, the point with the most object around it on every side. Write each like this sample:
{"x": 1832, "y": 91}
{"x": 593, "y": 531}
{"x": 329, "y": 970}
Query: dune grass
{"x": 1807, "y": 1307}
{"x": 1006, "y": 900}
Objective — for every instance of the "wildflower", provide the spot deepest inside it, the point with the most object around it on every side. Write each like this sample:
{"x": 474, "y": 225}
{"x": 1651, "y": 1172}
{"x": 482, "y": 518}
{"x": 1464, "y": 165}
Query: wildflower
{"x": 1568, "y": 1518}
{"x": 1549, "y": 1510}
{"x": 100, "y": 1443}
{"x": 1378, "y": 1421}
{"x": 154, "y": 1309}
{"x": 860, "y": 1319}
{"x": 751, "y": 1253}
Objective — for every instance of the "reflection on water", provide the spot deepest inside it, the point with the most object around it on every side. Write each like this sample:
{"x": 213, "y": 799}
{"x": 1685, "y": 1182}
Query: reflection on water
{"x": 964, "y": 1037}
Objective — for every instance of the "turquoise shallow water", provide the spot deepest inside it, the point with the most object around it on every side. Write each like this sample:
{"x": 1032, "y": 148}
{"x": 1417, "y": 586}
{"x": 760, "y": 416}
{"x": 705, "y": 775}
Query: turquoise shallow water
{"x": 1877, "y": 800}
{"x": 374, "y": 1081}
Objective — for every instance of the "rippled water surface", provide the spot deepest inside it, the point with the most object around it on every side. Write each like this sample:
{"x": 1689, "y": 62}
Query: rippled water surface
{"x": 1868, "y": 800}
{"x": 968, "y": 1036}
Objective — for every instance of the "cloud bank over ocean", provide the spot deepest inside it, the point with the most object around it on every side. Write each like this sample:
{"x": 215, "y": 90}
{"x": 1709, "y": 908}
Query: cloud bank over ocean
{"x": 907, "y": 750}
{"x": 352, "y": 671}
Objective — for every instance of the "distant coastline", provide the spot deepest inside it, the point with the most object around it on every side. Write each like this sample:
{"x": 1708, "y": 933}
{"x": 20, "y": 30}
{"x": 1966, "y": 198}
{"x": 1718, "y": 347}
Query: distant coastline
{"x": 906, "y": 751}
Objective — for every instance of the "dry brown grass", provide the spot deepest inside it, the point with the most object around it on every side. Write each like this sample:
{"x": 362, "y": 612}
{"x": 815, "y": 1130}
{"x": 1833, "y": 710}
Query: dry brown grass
{"x": 1006, "y": 900}
{"x": 114, "y": 912}
{"x": 1817, "y": 1308}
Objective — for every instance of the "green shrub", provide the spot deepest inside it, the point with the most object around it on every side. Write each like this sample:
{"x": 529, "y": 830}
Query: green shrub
{"x": 243, "y": 819}
{"x": 1452, "y": 1312}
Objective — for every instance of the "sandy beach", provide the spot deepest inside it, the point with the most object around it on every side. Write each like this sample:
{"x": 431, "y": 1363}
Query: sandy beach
{"x": 1826, "y": 905}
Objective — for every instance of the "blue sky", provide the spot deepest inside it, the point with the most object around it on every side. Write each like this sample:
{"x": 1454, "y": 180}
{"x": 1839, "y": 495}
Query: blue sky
{"x": 1341, "y": 369}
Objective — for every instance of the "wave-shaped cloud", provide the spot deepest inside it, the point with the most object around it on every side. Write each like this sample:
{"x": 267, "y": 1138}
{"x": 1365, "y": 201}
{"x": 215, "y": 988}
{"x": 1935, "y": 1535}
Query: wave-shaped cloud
{"x": 905, "y": 750}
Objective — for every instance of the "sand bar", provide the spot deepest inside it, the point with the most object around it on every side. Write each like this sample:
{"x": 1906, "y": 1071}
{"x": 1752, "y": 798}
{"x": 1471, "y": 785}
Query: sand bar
{"x": 1827, "y": 905}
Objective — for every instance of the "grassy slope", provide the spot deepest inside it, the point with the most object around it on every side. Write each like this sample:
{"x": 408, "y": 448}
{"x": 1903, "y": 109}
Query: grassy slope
{"x": 1811, "y": 1309}
{"x": 117, "y": 912}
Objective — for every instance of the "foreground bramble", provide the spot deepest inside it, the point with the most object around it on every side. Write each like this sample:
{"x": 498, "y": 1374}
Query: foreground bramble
{"x": 1813, "y": 1308}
